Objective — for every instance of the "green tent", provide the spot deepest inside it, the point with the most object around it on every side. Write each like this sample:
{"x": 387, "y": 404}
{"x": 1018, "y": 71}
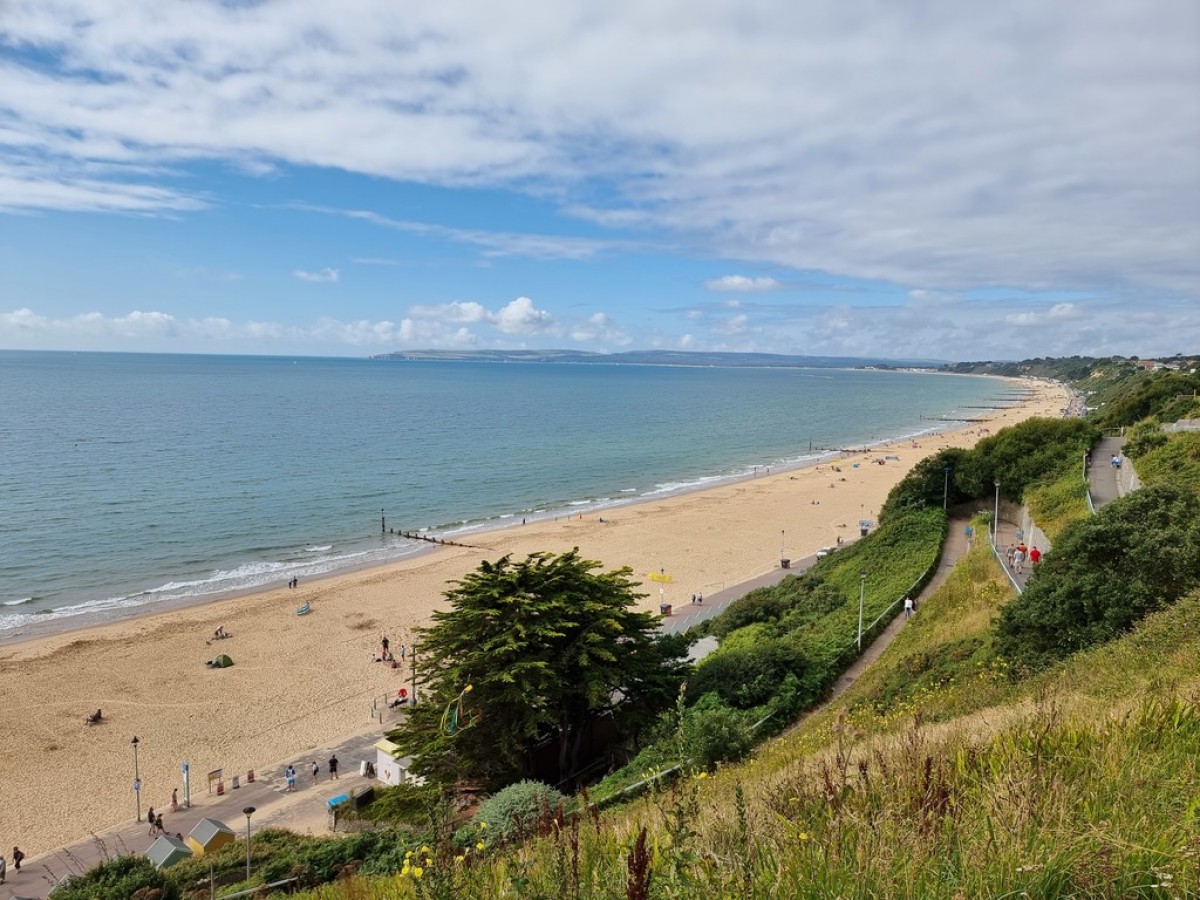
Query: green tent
{"x": 222, "y": 662}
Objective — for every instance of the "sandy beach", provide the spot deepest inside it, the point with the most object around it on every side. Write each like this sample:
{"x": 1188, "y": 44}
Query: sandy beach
{"x": 301, "y": 682}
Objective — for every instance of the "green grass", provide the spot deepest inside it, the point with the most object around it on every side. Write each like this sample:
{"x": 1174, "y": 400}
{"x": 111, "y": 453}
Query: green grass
{"x": 1080, "y": 782}
{"x": 1059, "y": 502}
{"x": 1176, "y": 462}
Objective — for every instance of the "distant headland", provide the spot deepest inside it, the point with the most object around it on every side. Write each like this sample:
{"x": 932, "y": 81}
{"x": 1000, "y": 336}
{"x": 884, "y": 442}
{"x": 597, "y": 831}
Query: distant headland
{"x": 658, "y": 358}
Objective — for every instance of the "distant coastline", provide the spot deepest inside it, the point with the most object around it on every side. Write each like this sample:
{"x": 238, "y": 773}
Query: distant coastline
{"x": 660, "y": 358}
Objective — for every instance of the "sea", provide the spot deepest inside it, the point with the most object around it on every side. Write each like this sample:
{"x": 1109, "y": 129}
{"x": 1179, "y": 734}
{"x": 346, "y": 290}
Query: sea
{"x": 129, "y": 482}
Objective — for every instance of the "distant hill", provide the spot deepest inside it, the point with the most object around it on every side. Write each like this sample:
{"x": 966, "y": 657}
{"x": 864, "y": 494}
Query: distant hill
{"x": 658, "y": 358}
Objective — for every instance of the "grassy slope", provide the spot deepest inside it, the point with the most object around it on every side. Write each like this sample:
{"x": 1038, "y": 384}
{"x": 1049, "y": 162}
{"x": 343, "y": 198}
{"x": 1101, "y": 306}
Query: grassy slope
{"x": 938, "y": 777}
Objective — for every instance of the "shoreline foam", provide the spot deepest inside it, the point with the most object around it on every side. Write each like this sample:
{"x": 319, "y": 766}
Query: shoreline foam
{"x": 301, "y": 683}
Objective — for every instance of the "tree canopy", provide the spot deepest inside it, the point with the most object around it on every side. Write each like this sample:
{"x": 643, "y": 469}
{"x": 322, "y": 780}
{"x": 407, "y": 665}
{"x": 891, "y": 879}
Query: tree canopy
{"x": 530, "y": 653}
{"x": 1137, "y": 555}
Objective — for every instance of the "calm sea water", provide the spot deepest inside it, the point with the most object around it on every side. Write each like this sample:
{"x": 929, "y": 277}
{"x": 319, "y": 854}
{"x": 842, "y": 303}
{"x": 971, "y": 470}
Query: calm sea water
{"x": 128, "y": 480}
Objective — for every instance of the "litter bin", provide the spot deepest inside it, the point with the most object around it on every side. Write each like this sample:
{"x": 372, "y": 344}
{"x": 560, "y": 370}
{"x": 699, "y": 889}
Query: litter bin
{"x": 664, "y": 608}
{"x": 785, "y": 563}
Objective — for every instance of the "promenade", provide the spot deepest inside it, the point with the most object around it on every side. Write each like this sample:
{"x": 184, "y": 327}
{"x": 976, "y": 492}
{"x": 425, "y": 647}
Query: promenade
{"x": 304, "y": 811}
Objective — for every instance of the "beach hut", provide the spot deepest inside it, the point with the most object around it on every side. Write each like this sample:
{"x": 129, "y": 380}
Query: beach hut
{"x": 166, "y": 851}
{"x": 393, "y": 769}
{"x": 209, "y": 835}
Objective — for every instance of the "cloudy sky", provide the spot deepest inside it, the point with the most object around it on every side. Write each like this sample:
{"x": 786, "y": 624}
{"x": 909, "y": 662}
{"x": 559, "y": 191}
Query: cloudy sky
{"x": 921, "y": 179}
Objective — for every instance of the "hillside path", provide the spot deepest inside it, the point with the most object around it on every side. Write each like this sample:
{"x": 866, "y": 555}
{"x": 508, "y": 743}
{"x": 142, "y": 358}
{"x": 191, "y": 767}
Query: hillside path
{"x": 954, "y": 549}
{"x": 1102, "y": 476}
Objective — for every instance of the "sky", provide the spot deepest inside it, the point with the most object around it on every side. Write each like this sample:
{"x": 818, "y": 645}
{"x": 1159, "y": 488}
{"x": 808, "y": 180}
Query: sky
{"x": 938, "y": 180}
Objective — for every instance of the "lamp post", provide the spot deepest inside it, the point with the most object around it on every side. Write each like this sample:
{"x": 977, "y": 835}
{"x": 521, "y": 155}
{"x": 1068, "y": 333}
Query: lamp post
{"x": 137, "y": 780}
{"x": 249, "y": 811}
{"x": 862, "y": 593}
{"x": 945, "y": 487}
{"x": 782, "y": 543}
{"x": 996, "y": 518}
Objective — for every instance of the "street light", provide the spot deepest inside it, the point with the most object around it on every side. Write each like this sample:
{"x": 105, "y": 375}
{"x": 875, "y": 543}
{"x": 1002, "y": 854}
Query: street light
{"x": 996, "y": 517}
{"x": 946, "y": 487}
{"x": 862, "y": 593}
{"x": 249, "y": 811}
{"x": 137, "y": 780}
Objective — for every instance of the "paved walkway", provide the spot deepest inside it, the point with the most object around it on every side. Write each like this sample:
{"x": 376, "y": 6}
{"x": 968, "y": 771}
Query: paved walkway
{"x": 954, "y": 549}
{"x": 306, "y": 810}
{"x": 273, "y": 805}
{"x": 1102, "y": 476}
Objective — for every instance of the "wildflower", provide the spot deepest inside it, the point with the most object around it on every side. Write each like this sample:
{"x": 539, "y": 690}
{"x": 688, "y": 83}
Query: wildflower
{"x": 804, "y": 835}
{"x": 480, "y": 845}
{"x": 425, "y": 850}
{"x": 406, "y": 869}
{"x": 483, "y": 825}
{"x": 418, "y": 872}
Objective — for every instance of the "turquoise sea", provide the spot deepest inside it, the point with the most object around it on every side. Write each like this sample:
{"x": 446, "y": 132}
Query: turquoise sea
{"x": 127, "y": 480}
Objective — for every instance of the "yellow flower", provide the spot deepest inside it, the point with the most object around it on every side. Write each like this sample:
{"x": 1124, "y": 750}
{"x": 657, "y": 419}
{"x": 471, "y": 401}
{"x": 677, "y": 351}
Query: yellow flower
{"x": 406, "y": 869}
{"x": 483, "y": 824}
{"x": 424, "y": 850}
{"x": 480, "y": 845}
{"x": 418, "y": 872}
{"x": 804, "y": 835}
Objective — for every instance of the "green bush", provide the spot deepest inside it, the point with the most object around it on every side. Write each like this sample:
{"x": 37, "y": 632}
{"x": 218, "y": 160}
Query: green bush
{"x": 120, "y": 879}
{"x": 518, "y": 808}
{"x": 1138, "y": 554}
{"x": 748, "y": 677}
{"x": 715, "y": 733}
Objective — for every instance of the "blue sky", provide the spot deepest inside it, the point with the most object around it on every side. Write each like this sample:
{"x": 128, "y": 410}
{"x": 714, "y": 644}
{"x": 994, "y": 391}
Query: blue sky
{"x": 930, "y": 179}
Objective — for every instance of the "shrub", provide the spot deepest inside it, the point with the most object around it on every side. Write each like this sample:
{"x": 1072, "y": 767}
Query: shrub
{"x": 119, "y": 879}
{"x": 518, "y": 808}
{"x": 715, "y": 733}
{"x": 1139, "y": 554}
{"x": 748, "y": 677}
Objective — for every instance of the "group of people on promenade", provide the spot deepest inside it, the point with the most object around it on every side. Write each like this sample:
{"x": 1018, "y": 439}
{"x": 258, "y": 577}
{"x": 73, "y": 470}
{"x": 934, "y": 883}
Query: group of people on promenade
{"x": 289, "y": 773}
{"x": 17, "y": 857}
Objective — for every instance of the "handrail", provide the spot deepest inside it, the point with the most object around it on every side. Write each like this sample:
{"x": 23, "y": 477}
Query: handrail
{"x": 1003, "y": 565}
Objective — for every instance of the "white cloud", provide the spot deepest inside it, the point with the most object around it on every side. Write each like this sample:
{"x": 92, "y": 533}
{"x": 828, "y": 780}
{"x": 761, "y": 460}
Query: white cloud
{"x": 325, "y": 275}
{"x": 1025, "y": 144}
{"x": 599, "y": 328}
{"x": 522, "y": 317}
{"x": 742, "y": 285}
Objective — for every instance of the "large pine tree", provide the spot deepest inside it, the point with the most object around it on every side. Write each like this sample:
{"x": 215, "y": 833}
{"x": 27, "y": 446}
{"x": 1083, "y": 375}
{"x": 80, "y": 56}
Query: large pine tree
{"x": 533, "y": 651}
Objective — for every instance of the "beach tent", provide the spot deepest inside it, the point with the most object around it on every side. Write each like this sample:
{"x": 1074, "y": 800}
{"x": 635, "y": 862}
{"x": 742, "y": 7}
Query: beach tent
{"x": 209, "y": 835}
{"x": 166, "y": 851}
{"x": 222, "y": 662}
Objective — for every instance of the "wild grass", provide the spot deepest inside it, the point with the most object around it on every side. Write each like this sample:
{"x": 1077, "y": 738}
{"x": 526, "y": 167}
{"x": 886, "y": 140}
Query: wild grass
{"x": 1058, "y": 502}
{"x": 938, "y": 775}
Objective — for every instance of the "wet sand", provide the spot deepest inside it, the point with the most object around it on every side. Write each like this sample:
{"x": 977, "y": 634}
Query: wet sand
{"x": 302, "y": 682}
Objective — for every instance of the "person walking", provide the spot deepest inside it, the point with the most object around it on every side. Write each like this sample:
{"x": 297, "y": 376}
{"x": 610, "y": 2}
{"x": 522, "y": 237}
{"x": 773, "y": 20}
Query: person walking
{"x": 174, "y": 799}
{"x": 333, "y": 767}
{"x": 385, "y": 644}
{"x": 316, "y": 770}
{"x": 3, "y": 868}
{"x": 908, "y": 607}
{"x": 150, "y": 819}
{"x": 158, "y": 824}
{"x": 17, "y": 857}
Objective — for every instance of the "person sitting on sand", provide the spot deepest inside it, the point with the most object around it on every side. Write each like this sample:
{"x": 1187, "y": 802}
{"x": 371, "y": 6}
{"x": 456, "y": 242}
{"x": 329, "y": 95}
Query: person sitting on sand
{"x": 94, "y": 718}
{"x": 220, "y": 633}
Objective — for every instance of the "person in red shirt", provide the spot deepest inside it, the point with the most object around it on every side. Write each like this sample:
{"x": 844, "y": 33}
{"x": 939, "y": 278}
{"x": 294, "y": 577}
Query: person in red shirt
{"x": 1035, "y": 555}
